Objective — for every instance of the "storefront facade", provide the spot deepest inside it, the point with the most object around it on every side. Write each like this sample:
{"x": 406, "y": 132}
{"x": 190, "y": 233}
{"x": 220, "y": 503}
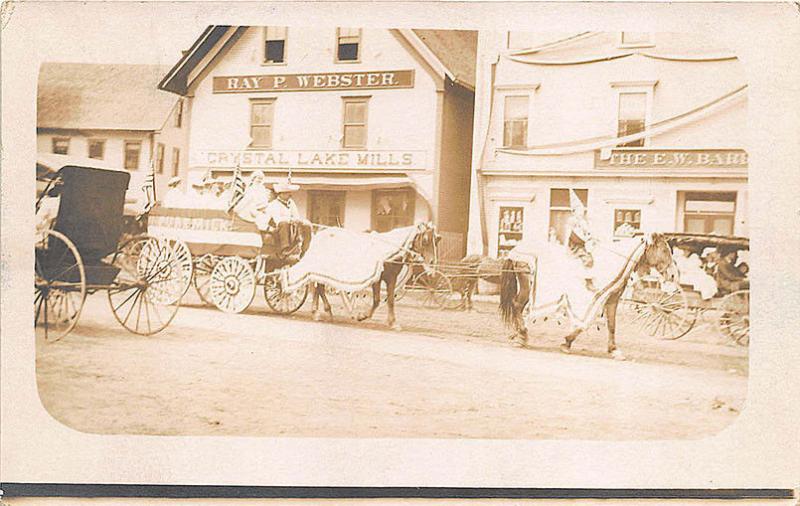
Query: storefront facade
{"x": 363, "y": 120}
{"x": 648, "y": 131}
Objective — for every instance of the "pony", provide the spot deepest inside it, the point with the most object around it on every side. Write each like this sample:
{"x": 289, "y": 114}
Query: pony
{"x": 520, "y": 280}
{"x": 423, "y": 248}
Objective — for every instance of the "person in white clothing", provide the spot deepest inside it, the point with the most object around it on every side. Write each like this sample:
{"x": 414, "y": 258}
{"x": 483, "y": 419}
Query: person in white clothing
{"x": 277, "y": 218}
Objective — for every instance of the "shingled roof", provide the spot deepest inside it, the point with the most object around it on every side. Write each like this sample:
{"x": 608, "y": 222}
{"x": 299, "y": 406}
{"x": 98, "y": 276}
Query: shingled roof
{"x": 456, "y": 49}
{"x": 102, "y": 96}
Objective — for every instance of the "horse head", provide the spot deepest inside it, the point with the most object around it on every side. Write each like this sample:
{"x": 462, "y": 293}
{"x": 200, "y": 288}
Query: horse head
{"x": 658, "y": 255}
{"x": 426, "y": 243}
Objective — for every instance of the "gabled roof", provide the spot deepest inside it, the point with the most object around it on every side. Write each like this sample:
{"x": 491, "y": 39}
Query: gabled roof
{"x": 451, "y": 52}
{"x": 102, "y": 97}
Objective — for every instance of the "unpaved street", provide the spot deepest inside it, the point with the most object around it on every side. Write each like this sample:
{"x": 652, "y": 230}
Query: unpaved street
{"x": 447, "y": 374}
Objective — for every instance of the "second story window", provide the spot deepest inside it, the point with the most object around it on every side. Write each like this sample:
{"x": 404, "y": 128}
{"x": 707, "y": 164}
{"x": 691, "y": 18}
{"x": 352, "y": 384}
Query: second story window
{"x": 61, "y": 145}
{"x": 132, "y": 150}
{"x": 636, "y": 39}
{"x": 275, "y": 44}
{"x": 176, "y": 161}
{"x": 261, "y": 116}
{"x": 515, "y": 121}
{"x": 348, "y": 44}
{"x": 631, "y": 117}
{"x": 97, "y": 148}
{"x": 354, "y": 135}
{"x": 179, "y": 114}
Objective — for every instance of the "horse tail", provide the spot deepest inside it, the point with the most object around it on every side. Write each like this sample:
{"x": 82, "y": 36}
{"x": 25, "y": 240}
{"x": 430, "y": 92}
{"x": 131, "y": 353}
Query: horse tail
{"x": 508, "y": 292}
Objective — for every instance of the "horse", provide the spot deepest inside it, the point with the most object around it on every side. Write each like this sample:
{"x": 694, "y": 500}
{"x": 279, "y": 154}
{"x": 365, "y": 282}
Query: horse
{"x": 520, "y": 281}
{"x": 423, "y": 249}
{"x": 465, "y": 274}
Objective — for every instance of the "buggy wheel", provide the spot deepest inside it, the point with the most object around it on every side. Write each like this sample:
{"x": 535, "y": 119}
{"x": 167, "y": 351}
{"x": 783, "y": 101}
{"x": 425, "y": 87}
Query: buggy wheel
{"x": 734, "y": 322}
{"x": 432, "y": 289}
{"x": 233, "y": 285}
{"x": 283, "y": 302}
{"x": 202, "y": 277}
{"x": 59, "y": 286}
{"x": 658, "y": 310}
{"x": 146, "y": 294}
{"x": 183, "y": 258}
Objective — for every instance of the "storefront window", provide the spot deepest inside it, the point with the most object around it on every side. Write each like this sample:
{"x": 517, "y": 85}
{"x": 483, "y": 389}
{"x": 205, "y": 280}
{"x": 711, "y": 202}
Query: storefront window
{"x": 561, "y": 210}
{"x": 509, "y": 229}
{"x": 392, "y": 209}
{"x": 61, "y": 145}
{"x": 326, "y": 208}
{"x": 632, "y": 113}
{"x": 627, "y": 222}
{"x": 709, "y": 212}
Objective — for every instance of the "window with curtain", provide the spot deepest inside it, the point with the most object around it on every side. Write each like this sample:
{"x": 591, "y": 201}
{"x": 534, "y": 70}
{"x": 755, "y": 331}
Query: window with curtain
{"x": 354, "y": 134}
{"x": 515, "y": 121}
{"x": 261, "y": 116}
{"x": 348, "y": 44}
{"x": 275, "y": 44}
{"x": 631, "y": 118}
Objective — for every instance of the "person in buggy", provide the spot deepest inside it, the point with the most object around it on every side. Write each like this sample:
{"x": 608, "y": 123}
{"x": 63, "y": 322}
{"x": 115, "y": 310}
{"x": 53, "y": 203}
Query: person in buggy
{"x": 730, "y": 277}
{"x": 276, "y": 220}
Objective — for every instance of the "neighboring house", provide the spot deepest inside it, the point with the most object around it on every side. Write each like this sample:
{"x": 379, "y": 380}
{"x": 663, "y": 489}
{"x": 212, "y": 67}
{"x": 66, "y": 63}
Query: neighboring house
{"x": 648, "y": 130}
{"x": 113, "y": 113}
{"x": 374, "y": 124}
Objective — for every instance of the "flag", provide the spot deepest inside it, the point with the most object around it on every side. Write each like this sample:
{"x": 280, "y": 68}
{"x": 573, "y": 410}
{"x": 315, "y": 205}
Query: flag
{"x": 149, "y": 189}
{"x": 237, "y": 188}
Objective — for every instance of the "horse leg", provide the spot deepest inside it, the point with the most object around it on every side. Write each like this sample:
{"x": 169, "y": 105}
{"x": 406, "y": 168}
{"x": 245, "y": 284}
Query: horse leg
{"x": 376, "y": 300}
{"x": 611, "y": 320}
{"x": 315, "y": 304}
{"x": 567, "y": 346}
{"x": 391, "y": 282}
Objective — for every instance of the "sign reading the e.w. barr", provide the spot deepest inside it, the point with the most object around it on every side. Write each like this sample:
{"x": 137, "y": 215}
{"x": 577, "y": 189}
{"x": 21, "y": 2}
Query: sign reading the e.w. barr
{"x": 671, "y": 158}
{"x": 315, "y": 82}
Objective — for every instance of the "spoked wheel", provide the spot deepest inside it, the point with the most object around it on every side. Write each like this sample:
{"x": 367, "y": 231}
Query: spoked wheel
{"x": 183, "y": 258}
{"x": 59, "y": 287}
{"x": 147, "y": 292}
{"x": 734, "y": 321}
{"x": 202, "y": 277}
{"x": 283, "y": 302}
{"x": 432, "y": 289}
{"x": 232, "y": 285}
{"x": 658, "y": 310}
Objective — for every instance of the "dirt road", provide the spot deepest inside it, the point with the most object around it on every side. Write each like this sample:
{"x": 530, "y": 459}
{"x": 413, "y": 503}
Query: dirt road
{"x": 447, "y": 374}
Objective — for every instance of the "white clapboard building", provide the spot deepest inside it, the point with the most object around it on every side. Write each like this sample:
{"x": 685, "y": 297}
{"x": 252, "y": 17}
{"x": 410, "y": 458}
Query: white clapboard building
{"x": 112, "y": 115}
{"x": 648, "y": 130}
{"x": 375, "y": 125}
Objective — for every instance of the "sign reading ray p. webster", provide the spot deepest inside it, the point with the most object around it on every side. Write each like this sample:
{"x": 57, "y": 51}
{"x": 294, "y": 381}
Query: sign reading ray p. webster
{"x": 672, "y": 158}
{"x": 316, "y": 82}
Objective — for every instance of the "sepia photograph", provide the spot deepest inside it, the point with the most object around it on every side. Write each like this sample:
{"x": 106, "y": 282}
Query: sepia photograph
{"x": 358, "y": 232}
{"x": 432, "y": 244}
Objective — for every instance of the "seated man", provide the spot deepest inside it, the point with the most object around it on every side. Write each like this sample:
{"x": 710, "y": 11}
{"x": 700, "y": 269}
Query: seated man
{"x": 277, "y": 220}
{"x": 729, "y": 277}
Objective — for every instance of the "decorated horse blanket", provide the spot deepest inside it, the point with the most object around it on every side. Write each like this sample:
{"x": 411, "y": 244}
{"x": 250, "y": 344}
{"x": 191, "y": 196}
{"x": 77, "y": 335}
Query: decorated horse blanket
{"x": 559, "y": 278}
{"x": 347, "y": 260}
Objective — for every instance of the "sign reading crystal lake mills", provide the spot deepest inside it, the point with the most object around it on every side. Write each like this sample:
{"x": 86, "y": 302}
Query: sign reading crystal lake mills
{"x": 316, "y": 82}
{"x": 671, "y": 158}
{"x": 266, "y": 159}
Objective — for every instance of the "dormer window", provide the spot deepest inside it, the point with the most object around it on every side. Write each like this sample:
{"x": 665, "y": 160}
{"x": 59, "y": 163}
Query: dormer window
{"x": 636, "y": 39}
{"x": 348, "y": 44}
{"x": 275, "y": 44}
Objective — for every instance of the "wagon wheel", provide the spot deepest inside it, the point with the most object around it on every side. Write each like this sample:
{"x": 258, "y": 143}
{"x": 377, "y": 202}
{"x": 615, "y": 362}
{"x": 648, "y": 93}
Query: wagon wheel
{"x": 734, "y": 322}
{"x": 432, "y": 289}
{"x": 658, "y": 310}
{"x": 202, "y": 277}
{"x": 280, "y": 301}
{"x": 233, "y": 285}
{"x": 184, "y": 260}
{"x": 146, "y": 293}
{"x": 59, "y": 287}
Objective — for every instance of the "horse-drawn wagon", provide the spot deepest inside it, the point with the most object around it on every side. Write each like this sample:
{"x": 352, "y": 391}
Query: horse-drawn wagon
{"x": 80, "y": 249}
{"x": 226, "y": 259}
{"x": 670, "y": 311}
